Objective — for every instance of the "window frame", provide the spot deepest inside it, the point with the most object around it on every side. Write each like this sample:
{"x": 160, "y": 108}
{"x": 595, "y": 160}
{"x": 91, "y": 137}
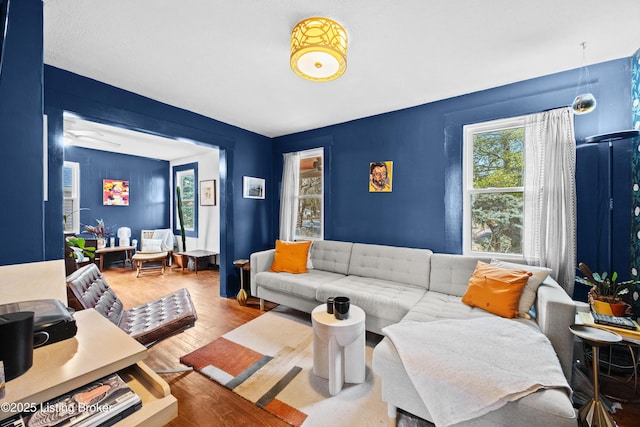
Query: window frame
{"x": 75, "y": 197}
{"x": 305, "y": 154}
{"x": 177, "y": 172}
{"x": 468, "y": 191}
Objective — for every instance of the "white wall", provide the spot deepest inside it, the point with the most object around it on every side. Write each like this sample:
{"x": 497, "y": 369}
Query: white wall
{"x": 208, "y": 216}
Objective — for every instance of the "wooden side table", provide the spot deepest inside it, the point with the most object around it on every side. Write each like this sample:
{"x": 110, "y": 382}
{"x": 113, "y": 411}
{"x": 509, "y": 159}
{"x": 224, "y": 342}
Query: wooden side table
{"x": 593, "y": 413}
{"x": 126, "y": 253}
{"x": 197, "y": 254}
{"x": 243, "y": 265}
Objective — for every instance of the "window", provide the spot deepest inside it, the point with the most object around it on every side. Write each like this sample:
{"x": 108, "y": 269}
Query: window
{"x": 71, "y": 197}
{"x": 493, "y": 173}
{"x": 309, "y": 203}
{"x": 301, "y": 200}
{"x": 186, "y": 177}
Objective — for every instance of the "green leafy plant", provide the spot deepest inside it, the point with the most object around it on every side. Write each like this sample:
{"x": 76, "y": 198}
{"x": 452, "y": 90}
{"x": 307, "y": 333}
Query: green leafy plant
{"x": 79, "y": 242}
{"x": 181, "y": 218}
{"x": 604, "y": 287}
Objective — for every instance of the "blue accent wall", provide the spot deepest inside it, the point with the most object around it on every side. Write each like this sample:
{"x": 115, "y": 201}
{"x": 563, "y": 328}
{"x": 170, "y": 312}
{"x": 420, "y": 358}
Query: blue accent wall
{"x": 425, "y": 144}
{"x": 149, "y": 191}
{"x": 21, "y": 171}
{"x": 243, "y": 225}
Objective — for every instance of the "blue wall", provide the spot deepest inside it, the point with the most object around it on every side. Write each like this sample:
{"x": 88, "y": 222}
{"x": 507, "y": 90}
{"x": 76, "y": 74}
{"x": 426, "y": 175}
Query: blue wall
{"x": 149, "y": 201}
{"x": 425, "y": 144}
{"x": 21, "y": 171}
{"x": 242, "y": 223}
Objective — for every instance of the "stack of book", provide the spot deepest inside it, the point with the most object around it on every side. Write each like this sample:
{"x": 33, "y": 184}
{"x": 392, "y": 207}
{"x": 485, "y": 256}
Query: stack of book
{"x": 98, "y": 404}
{"x": 625, "y": 326}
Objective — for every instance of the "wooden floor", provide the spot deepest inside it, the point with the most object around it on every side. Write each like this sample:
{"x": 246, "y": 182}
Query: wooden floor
{"x": 202, "y": 402}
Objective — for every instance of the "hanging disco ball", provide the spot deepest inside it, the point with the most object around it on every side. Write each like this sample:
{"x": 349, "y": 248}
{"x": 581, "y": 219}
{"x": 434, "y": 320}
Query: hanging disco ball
{"x": 584, "y": 103}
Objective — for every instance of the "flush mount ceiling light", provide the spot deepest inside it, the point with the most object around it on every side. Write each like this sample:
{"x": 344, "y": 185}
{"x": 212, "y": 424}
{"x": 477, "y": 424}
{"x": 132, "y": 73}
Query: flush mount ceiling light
{"x": 584, "y": 102}
{"x": 318, "y": 49}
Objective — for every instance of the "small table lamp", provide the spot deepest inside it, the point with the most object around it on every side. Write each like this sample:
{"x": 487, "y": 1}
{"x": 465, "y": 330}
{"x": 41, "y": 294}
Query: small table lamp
{"x": 124, "y": 234}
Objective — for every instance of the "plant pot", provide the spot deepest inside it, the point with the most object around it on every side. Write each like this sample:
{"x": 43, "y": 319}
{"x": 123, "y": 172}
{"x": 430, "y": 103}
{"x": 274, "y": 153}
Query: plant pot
{"x": 601, "y": 307}
{"x": 101, "y": 242}
{"x": 618, "y": 309}
{"x": 180, "y": 260}
{"x": 609, "y": 308}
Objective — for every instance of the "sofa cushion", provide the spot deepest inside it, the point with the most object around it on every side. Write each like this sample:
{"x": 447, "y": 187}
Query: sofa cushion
{"x": 290, "y": 257}
{"x": 401, "y": 265}
{"x": 450, "y": 273}
{"x": 436, "y": 306}
{"x": 496, "y": 290}
{"x": 302, "y": 285}
{"x": 528, "y": 297}
{"x": 151, "y": 245}
{"x": 379, "y": 298}
{"x": 330, "y": 255}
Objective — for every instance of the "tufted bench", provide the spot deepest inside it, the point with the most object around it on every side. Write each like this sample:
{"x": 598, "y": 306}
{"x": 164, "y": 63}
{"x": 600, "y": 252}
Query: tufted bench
{"x": 147, "y": 323}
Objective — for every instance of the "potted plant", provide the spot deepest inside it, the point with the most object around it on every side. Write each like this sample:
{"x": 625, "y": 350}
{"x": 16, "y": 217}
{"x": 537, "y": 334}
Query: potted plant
{"x": 100, "y": 231}
{"x": 605, "y": 293}
{"x": 78, "y": 249}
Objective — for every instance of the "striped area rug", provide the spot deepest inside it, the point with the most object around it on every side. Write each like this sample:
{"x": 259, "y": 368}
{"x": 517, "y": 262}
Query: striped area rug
{"x": 269, "y": 362}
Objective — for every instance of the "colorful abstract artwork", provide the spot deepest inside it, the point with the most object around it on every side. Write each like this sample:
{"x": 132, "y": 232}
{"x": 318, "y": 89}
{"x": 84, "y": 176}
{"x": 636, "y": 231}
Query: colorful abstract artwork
{"x": 115, "y": 192}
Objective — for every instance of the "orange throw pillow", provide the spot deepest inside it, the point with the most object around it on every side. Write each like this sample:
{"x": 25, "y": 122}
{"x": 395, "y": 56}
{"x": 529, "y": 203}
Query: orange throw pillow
{"x": 496, "y": 290}
{"x": 290, "y": 257}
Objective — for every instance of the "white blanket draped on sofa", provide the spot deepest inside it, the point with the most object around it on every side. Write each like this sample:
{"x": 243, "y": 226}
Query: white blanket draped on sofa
{"x": 463, "y": 369}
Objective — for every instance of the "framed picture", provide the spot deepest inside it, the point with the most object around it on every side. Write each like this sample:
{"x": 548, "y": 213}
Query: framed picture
{"x": 115, "y": 192}
{"x": 380, "y": 177}
{"x": 253, "y": 188}
{"x": 208, "y": 192}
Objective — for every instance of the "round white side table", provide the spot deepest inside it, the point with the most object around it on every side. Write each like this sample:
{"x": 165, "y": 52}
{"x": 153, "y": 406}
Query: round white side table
{"x": 338, "y": 347}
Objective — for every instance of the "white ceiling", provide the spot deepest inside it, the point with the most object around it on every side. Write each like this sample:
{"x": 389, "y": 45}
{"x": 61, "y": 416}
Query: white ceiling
{"x": 96, "y": 136}
{"x": 229, "y": 60}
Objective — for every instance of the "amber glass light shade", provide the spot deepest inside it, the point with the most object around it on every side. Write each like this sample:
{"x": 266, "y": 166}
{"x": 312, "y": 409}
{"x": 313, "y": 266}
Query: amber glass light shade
{"x": 318, "y": 49}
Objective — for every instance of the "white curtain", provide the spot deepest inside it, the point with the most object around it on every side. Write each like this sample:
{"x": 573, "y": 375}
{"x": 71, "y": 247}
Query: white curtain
{"x": 550, "y": 194}
{"x": 289, "y": 195}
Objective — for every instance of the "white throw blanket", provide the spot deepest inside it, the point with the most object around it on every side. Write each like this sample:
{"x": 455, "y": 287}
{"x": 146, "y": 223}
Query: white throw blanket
{"x": 463, "y": 369}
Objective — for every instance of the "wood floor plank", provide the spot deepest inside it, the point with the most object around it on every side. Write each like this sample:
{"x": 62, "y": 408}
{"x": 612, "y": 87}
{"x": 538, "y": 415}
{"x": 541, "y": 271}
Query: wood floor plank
{"x": 201, "y": 401}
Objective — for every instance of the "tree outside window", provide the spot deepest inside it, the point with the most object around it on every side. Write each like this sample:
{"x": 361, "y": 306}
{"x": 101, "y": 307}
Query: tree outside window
{"x": 494, "y": 186}
{"x": 309, "y": 221}
{"x": 186, "y": 177}
{"x": 186, "y": 181}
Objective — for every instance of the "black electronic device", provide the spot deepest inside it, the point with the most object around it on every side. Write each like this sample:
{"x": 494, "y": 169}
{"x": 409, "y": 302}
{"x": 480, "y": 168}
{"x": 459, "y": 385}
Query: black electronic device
{"x": 52, "y": 321}
{"x": 16, "y": 343}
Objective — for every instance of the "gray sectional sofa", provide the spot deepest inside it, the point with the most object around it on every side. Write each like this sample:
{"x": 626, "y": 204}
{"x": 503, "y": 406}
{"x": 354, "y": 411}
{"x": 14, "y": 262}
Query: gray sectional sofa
{"x": 395, "y": 284}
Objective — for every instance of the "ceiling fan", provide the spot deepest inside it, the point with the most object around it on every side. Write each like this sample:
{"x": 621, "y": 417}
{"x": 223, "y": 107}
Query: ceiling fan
{"x": 72, "y": 136}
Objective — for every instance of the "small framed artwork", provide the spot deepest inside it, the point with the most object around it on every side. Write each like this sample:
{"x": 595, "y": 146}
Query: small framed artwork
{"x": 115, "y": 192}
{"x": 380, "y": 177}
{"x": 253, "y": 188}
{"x": 208, "y": 192}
